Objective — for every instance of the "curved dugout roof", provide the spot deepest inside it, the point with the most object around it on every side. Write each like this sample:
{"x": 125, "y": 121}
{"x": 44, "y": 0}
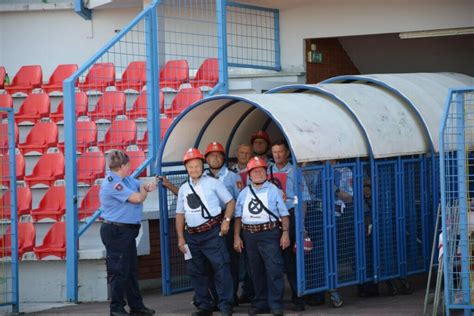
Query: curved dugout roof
{"x": 426, "y": 93}
{"x": 383, "y": 115}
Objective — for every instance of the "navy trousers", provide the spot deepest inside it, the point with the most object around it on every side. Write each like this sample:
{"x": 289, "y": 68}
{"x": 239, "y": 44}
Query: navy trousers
{"x": 122, "y": 266}
{"x": 266, "y": 268}
{"x": 209, "y": 248}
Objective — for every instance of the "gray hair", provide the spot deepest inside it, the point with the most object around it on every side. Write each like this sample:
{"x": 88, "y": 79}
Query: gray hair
{"x": 117, "y": 159}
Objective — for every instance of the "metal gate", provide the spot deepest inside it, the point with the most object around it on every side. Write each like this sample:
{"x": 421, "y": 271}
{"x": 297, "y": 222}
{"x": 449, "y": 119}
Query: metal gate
{"x": 457, "y": 190}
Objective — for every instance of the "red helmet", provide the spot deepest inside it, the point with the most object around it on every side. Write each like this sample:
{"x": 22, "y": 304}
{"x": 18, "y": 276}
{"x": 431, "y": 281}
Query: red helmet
{"x": 214, "y": 147}
{"x": 260, "y": 134}
{"x": 192, "y": 153}
{"x": 307, "y": 245}
{"x": 256, "y": 162}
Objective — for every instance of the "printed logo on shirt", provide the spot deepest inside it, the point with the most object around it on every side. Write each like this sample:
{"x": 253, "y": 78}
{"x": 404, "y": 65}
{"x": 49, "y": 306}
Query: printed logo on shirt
{"x": 193, "y": 201}
{"x": 255, "y": 207}
{"x": 110, "y": 179}
{"x": 118, "y": 187}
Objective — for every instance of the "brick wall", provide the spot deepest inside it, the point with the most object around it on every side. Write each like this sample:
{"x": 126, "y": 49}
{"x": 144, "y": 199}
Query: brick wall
{"x": 336, "y": 62}
{"x": 149, "y": 267}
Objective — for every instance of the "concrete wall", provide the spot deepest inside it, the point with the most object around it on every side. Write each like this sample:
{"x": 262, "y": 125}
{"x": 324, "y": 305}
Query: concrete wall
{"x": 49, "y": 38}
{"x": 300, "y": 20}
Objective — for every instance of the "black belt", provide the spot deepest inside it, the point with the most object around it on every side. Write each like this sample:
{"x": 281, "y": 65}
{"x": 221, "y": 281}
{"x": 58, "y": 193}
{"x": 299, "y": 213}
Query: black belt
{"x": 122, "y": 224}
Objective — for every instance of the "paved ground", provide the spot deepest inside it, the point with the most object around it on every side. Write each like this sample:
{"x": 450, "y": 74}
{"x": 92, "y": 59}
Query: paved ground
{"x": 180, "y": 304}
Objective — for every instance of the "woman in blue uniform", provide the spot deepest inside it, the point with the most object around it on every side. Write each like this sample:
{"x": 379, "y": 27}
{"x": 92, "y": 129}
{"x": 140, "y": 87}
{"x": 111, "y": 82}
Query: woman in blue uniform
{"x": 121, "y": 198}
{"x": 262, "y": 215}
{"x": 200, "y": 226}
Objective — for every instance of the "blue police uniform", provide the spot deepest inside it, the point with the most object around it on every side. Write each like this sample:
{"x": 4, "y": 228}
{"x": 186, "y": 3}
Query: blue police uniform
{"x": 208, "y": 246}
{"x": 263, "y": 248}
{"x": 118, "y": 232}
{"x": 229, "y": 178}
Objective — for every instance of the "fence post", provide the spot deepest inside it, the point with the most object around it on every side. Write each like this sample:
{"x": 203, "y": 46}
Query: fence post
{"x": 71, "y": 190}
{"x": 221, "y": 12}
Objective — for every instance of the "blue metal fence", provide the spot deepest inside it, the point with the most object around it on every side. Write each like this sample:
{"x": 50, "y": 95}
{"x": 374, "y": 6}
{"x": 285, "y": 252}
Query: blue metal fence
{"x": 9, "y": 284}
{"x": 253, "y": 37}
{"x": 457, "y": 178}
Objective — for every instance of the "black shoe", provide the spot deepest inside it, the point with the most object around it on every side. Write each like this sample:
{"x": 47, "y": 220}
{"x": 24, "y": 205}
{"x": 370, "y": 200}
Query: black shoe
{"x": 142, "y": 311}
{"x": 118, "y": 313}
{"x": 277, "y": 312}
{"x": 202, "y": 312}
{"x": 299, "y": 307}
{"x": 243, "y": 299}
{"x": 256, "y": 311}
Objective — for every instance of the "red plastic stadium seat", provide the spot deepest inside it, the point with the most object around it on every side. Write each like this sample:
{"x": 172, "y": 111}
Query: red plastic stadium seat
{"x": 54, "y": 242}
{"x": 165, "y": 123}
{"x": 5, "y": 168}
{"x": 207, "y": 74}
{"x": 174, "y": 73}
{"x": 119, "y": 135}
{"x": 23, "y": 202}
{"x": 3, "y": 73}
{"x": 90, "y": 166}
{"x": 49, "y": 168}
{"x": 52, "y": 205}
{"x": 90, "y": 203}
{"x": 26, "y": 79}
{"x": 4, "y": 137}
{"x": 6, "y": 101}
{"x": 41, "y": 137}
{"x": 134, "y": 77}
{"x": 183, "y": 99}
{"x": 86, "y": 136}
{"x": 139, "y": 106}
{"x": 35, "y": 107}
{"x": 136, "y": 159}
{"x": 26, "y": 240}
{"x": 81, "y": 107}
{"x": 61, "y": 73}
{"x": 143, "y": 143}
{"x": 109, "y": 105}
{"x": 99, "y": 77}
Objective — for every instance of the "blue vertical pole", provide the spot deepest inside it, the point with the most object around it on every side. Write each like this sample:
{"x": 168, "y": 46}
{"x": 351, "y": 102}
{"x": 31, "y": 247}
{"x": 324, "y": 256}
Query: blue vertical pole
{"x": 14, "y": 214}
{"x": 375, "y": 221}
{"x": 71, "y": 190}
{"x": 401, "y": 223}
{"x": 153, "y": 93}
{"x": 221, "y": 12}
{"x": 360, "y": 225}
{"x": 299, "y": 229}
{"x": 462, "y": 187}
{"x": 276, "y": 21}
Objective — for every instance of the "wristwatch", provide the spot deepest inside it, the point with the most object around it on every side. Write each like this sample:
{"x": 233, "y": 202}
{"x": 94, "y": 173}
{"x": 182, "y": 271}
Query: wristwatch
{"x": 227, "y": 219}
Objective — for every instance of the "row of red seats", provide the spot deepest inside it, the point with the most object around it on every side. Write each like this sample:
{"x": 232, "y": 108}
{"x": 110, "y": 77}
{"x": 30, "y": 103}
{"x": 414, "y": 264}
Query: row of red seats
{"x": 102, "y": 75}
{"x": 44, "y": 135}
{"x": 50, "y": 167}
{"x": 54, "y": 242}
{"x": 52, "y": 204}
{"x": 109, "y": 105}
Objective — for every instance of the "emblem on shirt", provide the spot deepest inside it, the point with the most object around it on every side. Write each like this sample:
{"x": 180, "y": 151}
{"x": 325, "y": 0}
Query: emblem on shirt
{"x": 110, "y": 179}
{"x": 193, "y": 201}
{"x": 255, "y": 207}
{"x": 118, "y": 187}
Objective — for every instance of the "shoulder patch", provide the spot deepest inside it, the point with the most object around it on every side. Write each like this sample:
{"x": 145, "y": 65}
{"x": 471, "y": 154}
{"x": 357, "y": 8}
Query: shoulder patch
{"x": 118, "y": 186}
{"x": 110, "y": 178}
